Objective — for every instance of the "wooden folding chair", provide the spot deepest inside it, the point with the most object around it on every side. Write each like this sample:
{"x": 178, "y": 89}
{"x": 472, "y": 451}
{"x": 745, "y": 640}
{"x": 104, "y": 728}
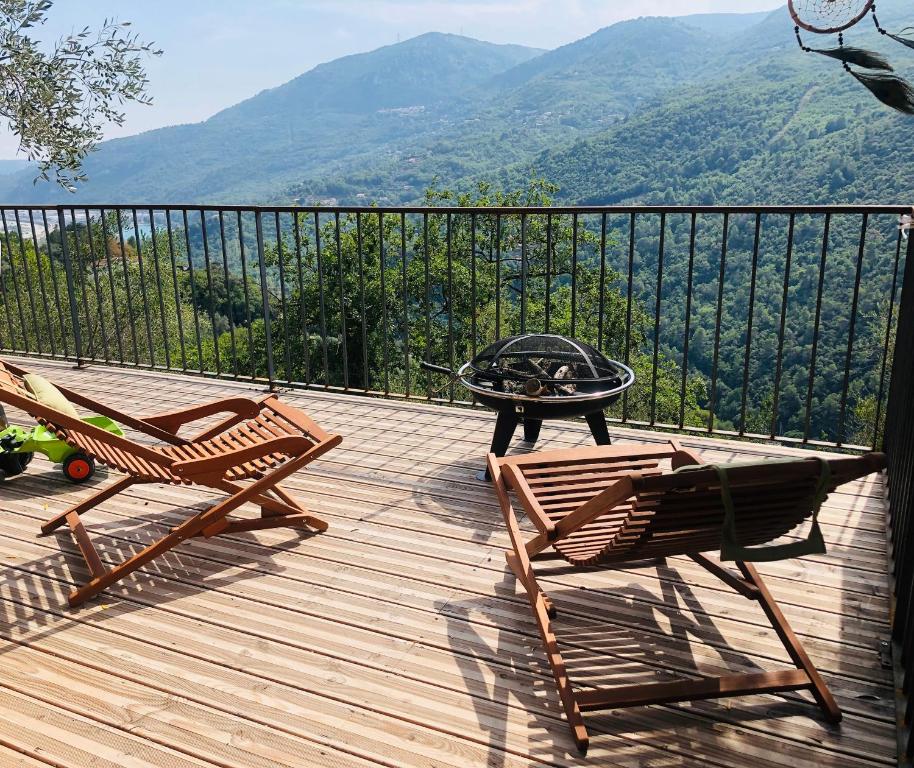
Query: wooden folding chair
{"x": 245, "y": 456}
{"x": 608, "y": 505}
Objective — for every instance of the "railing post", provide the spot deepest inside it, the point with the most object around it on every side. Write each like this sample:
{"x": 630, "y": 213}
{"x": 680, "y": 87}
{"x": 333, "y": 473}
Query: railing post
{"x": 71, "y": 288}
{"x": 265, "y": 295}
{"x": 898, "y": 444}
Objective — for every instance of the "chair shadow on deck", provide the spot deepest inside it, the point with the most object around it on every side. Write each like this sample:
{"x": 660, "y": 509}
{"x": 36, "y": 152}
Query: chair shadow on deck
{"x": 35, "y": 590}
{"x": 626, "y": 635}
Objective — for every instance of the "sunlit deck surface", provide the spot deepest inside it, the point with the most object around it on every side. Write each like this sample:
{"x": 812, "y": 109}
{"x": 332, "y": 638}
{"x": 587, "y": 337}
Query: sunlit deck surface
{"x": 397, "y": 638}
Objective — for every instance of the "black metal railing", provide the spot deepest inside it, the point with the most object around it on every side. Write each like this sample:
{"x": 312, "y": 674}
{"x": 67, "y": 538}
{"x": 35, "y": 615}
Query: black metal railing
{"x": 759, "y": 322}
{"x": 899, "y": 447}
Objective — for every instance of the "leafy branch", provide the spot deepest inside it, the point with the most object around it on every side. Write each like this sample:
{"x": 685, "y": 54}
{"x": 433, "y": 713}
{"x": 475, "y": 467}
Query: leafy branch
{"x": 57, "y": 102}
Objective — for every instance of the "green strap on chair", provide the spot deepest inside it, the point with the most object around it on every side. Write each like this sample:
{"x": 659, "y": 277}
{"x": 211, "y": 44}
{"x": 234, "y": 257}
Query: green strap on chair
{"x": 731, "y": 549}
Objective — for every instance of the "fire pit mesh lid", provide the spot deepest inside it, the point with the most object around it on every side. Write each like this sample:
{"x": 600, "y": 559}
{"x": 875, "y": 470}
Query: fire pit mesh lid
{"x": 544, "y": 356}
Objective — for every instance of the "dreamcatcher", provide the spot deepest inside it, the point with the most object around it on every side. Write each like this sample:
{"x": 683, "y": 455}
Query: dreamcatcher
{"x": 829, "y": 17}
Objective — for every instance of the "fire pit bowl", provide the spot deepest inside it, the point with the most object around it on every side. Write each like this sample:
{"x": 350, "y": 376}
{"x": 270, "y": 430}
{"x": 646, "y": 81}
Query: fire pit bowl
{"x": 532, "y": 377}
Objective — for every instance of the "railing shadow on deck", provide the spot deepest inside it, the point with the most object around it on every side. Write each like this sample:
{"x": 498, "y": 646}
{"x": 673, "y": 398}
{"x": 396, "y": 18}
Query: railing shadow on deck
{"x": 35, "y": 590}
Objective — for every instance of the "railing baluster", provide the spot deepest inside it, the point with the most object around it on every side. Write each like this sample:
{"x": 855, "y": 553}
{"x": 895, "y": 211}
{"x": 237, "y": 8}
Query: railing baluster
{"x": 265, "y": 298}
{"x": 303, "y": 319}
{"x": 81, "y": 273}
{"x": 247, "y": 296}
{"x": 602, "y": 288}
{"x": 160, "y": 292}
{"x": 339, "y": 266}
{"x": 688, "y": 320}
{"x": 130, "y": 313}
{"x": 428, "y": 305}
{"x": 320, "y": 297}
{"x": 99, "y": 295}
{"x": 9, "y": 252}
{"x": 523, "y": 273}
{"x": 781, "y": 329}
{"x": 230, "y": 309}
{"x": 358, "y": 241}
{"x": 888, "y": 338}
{"x": 815, "y": 332}
{"x": 712, "y": 395}
{"x": 745, "y": 390}
{"x": 405, "y": 302}
{"x": 574, "y": 274}
{"x": 657, "y": 319}
{"x": 60, "y": 315}
{"x": 193, "y": 292}
{"x": 450, "y": 307}
{"x": 548, "y": 271}
{"x": 177, "y": 289}
{"x": 497, "y": 276}
{"x": 143, "y": 291}
{"x": 71, "y": 291}
{"x": 28, "y": 282}
{"x": 11, "y": 341}
{"x": 281, "y": 261}
{"x": 473, "y": 288}
{"x": 628, "y": 307}
{"x": 850, "y": 332}
{"x": 211, "y": 299}
{"x": 111, "y": 285}
{"x": 384, "y": 321}
{"x": 41, "y": 289}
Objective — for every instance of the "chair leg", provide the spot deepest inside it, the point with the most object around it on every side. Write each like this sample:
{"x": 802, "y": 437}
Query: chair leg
{"x": 84, "y": 506}
{"x": 186, "y": 530}
{"x": 283, "y": 506}
{"x": 792, "y": 644}
{"x": 539, "y": 605}
{"x": 519, "y": 562}
{"x": 288, "y": 498}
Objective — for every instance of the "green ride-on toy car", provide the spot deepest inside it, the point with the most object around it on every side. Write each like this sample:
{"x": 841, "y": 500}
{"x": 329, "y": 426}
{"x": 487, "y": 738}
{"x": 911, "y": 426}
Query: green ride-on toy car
{"x": 19, "y": 445}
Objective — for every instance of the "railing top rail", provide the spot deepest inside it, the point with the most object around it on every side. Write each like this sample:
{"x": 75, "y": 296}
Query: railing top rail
{"x": 506, "y": 210}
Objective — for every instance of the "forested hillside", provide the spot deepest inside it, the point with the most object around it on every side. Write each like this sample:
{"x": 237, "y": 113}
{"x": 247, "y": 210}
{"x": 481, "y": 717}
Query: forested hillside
{"x": 712, "y": 107}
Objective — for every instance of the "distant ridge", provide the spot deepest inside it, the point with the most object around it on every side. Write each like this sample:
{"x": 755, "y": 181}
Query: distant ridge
{"x": 701, "y": 108}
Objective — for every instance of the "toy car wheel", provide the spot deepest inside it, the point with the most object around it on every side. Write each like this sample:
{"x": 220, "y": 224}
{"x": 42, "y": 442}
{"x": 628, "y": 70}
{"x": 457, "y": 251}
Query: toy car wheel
{"x": 78, "y": 468}
{"x": 13, "y": 464}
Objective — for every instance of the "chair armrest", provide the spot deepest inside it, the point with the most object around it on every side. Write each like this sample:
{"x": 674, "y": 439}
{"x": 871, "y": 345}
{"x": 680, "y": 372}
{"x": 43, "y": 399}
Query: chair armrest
{"x": 684, "y": 457}
{"x": 293, "y": 445}
{"x": 241, "y": 407}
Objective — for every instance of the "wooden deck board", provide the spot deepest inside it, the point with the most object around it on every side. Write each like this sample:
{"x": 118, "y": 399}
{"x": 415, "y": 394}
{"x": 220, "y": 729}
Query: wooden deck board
{"x": 396, "y": 637}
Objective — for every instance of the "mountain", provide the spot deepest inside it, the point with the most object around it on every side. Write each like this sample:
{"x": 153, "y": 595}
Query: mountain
{"x": 787, "y": 128}
{"x": 702, "y": 108}
{"x": 553, "y": 99}
{"x": 752, "y": 120}
{"x": 350, "y": 107}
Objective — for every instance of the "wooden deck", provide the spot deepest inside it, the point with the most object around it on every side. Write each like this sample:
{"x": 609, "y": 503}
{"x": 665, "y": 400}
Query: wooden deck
{"x": 397, "y": 637}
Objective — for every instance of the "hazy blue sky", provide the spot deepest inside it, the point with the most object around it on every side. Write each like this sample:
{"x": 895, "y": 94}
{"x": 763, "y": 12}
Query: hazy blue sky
{"x": 218, "y": 52}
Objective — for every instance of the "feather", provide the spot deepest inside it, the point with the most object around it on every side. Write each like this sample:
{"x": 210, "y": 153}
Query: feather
{"x": 903, "y": 40}
{"x": 889, "y": 89}
{"x": 857, "y": 56}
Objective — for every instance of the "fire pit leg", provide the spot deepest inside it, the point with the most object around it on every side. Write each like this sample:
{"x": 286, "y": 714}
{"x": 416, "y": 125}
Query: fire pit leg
{"x": 532, "y": 430}
{"x": 504, "y": 431}
{"x": 597, "y": 423}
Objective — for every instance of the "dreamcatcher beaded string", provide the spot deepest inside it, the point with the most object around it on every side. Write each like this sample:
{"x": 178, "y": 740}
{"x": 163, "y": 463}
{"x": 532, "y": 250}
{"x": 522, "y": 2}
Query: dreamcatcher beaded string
{"x": 829, "y": 17}
{"x": 899, "y": 37}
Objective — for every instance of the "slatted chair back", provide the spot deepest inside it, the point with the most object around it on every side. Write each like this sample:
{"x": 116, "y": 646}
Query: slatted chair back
{"x": 104, "y": 447}
{"x": 684, "y": 512}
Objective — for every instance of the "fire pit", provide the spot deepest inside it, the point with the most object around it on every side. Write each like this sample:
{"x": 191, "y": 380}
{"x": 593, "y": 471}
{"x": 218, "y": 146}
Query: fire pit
{"x": 533, "y": 377}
